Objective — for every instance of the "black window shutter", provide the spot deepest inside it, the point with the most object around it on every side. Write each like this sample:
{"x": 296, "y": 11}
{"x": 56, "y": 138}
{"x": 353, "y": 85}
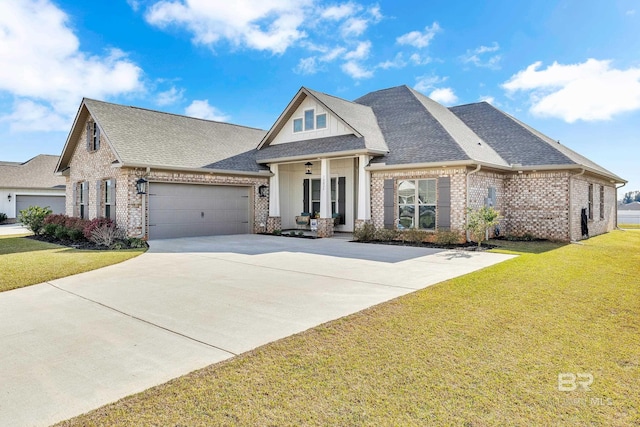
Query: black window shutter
{"x": 389, "y": 203}
{"x": 305, "y": 196}
{"x": 97, "y": 129}
{"x": 99, "y": 200}
{"x": 342, "y": 203}
{"x": 89, "y": 136}
{"x": 443, "y": 206}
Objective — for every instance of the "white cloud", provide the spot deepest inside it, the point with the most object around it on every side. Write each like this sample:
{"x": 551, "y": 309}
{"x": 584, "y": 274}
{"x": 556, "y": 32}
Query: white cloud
{"x": 397, "y": 62}
{"x": 333, "y": 54}
{"x": 202, "y": 110}
{"x": 170, "y": 96}
{"x": 360, "y": 52}
{"x": 356, "y": 70}
{"x": 444, "y": 96}
{"x": 588, "y": 91}
{"x": 417, "y": 59}
{"x": 419, "y": 39}
{"x": 478, "y": 58}
{"x": 426, "y": 83}
{"x": 307, "y": 66}
{"x": 339, "y": 12}
{"x": 354, "y": 27}
{"x": 271, "y": 25}
{"x": 45, "y": 71}
{"x": 488, "y": 99}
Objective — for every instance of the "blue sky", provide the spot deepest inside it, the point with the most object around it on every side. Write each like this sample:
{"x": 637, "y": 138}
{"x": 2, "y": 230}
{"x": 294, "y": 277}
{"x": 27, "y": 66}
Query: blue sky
{"x": 570, "y": 69}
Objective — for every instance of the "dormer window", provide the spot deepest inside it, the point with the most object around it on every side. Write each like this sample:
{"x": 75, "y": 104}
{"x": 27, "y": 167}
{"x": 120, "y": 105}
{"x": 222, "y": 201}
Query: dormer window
{"x": 310, "y": 121}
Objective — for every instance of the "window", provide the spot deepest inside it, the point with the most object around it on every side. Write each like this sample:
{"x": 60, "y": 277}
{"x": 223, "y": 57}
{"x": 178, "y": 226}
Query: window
{"x": 321, "y": 121}
{"x": 308, "y": 120}
{"x": 297, "y": 125}
{"x": 590, "y": 203}
{"x": 93, "y": 136}
{"x": 417, "y": 204}
{"x": 108, "y": 196}
{"x": 315, "y": 195}
{"x": 83, "y": 199}
{"x": 602, "y": 202}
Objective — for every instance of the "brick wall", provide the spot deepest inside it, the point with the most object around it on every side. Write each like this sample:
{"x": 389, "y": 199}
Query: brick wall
{"x": 458, "y": 192}
{"x": 479, "y": 184}
{"x": 537, "y": 203}
{"x": 580, "y": 199}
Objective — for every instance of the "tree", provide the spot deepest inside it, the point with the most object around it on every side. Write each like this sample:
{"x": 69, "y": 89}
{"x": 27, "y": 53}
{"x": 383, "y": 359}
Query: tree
{"x": 631, "y": 196}
{"x": 482, "y": 220}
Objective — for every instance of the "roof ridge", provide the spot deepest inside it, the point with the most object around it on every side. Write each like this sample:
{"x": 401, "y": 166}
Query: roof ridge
{"x": 172, "y": 114}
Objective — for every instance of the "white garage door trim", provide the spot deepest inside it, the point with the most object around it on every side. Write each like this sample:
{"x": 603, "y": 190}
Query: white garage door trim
{"x": 190, "y": 210}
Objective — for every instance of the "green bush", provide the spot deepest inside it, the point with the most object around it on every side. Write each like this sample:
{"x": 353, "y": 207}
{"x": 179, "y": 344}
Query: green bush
{"x": 366, "y": 233}
{"x": 136, "y": 243}
{"x": 386, "y": 234}
{"x": 33, "y": 218}
{"x": 60, "y": 232}
{"x": 448, "y": 237}
{"x": 3, "y": 217}
{"x": 414, "y": 235}
{"x": 482, "y": 220}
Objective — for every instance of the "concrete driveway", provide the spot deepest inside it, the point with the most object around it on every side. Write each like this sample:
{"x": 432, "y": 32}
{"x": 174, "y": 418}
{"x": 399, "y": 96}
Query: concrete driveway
{"x": 77, "y": 343}
{"x": 12, "y": 229}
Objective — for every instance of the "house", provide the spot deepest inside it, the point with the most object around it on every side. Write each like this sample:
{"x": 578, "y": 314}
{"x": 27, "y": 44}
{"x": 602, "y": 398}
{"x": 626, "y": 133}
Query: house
{"x": 393, "y": 157}
{"x": 32, "y": 183}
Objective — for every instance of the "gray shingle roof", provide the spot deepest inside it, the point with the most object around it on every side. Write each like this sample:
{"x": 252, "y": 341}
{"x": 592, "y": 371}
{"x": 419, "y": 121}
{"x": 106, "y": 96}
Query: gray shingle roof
{"x": 332, "y": 144}
{"x": 412, "y": 133}
{"x": 35, "y": 173}
{"x": 140, "y": 136}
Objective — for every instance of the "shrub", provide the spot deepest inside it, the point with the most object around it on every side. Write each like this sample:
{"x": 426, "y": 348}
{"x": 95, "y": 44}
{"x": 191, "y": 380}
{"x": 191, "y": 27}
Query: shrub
{"x": 3, "y": 217}
{"x": 106, "y": 234}
{"x": 386, "y": 234}
{"x": 136, "y": 243}
{"x": 277, "y": 232}
{"x": 55, "y": 219}
{"x": 414, "y": 235}
{"x": 482, "y": 220}
{"x": 366, "y": 233}
{"x": 33, "y": 218}
{"x": 60, "y": 232}
{"x": 94, "y": 224}
{"x": 448, "y": 237}
{"x": 50, "y": 229}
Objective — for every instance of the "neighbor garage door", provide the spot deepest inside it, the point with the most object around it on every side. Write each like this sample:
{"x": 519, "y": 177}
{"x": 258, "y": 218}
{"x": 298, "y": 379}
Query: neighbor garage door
{"x": 184, "y": 210}
{"x": 55, "y": 203}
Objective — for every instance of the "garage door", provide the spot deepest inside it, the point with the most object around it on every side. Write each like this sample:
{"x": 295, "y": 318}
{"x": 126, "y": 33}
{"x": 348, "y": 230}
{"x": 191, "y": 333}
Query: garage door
{"x": 55, "y": 203}
{"x": 184, "y": 210}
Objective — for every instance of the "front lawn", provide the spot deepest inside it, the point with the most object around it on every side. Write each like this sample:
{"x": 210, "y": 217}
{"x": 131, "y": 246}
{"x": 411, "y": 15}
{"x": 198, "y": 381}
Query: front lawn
{"x": 484, "y": 349}
{"x": 25, "y": 262}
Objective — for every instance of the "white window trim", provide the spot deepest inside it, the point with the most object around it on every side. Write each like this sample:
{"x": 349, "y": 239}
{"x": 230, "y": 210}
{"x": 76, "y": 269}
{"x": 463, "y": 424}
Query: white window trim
{"x": 326, "y": 126}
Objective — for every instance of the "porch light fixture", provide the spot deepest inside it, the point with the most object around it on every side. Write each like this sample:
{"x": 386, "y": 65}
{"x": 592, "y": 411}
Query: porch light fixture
{"x": 141, "y": 186}
{"x": 308, "y": 168}
{"x": 9, "y": 197}
{"x": 262, "y": 190}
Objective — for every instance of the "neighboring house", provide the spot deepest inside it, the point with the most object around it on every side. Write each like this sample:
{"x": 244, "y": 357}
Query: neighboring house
{"x": 633, "y": 206}
{"x": 393, "y": 157}
{"x": 32, "y": 183}
{"x": 629, "y": 213}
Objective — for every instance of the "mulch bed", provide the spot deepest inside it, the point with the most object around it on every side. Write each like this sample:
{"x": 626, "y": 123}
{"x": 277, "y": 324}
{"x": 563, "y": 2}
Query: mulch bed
{"x": 84, "y": 245}
{"x": 468, "y": 246}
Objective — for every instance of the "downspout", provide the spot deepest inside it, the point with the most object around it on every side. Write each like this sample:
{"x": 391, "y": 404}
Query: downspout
{"x": 617, "y": 188}
{"x": 571, "y": 204}
{"x": 469, "y": 199}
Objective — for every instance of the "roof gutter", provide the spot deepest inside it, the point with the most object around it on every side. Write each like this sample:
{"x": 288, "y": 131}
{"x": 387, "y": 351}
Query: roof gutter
{"x": 346, "y": 153}
{"x": 477, "y": 169}
{"x": 264, "y": 173}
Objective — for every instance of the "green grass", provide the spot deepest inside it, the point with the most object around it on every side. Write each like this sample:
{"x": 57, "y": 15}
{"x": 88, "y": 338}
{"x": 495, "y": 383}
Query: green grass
{"x": 630, "y": 226}
{"x": 484, "y": 349}
{"x": 25, "y": 262}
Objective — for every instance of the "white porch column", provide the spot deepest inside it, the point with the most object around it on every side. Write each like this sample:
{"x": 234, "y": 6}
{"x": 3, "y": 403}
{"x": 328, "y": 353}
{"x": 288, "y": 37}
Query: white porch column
{"x": 325, "y": 189}
{"x": 364, "y": 188}
{"x": 274, "y": 192}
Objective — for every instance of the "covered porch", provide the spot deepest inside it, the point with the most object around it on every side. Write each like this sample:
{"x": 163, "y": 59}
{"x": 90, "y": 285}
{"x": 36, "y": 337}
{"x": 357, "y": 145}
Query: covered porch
{"x": 332, "y": 191}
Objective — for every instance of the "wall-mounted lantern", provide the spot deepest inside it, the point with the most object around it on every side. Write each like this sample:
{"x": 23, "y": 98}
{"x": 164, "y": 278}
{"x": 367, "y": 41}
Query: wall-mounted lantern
{"x": 141, "y": 186}
{"x": 262, "y": 190}
{"x": 308, "y": 168}
{"x": 9, "y": 197}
